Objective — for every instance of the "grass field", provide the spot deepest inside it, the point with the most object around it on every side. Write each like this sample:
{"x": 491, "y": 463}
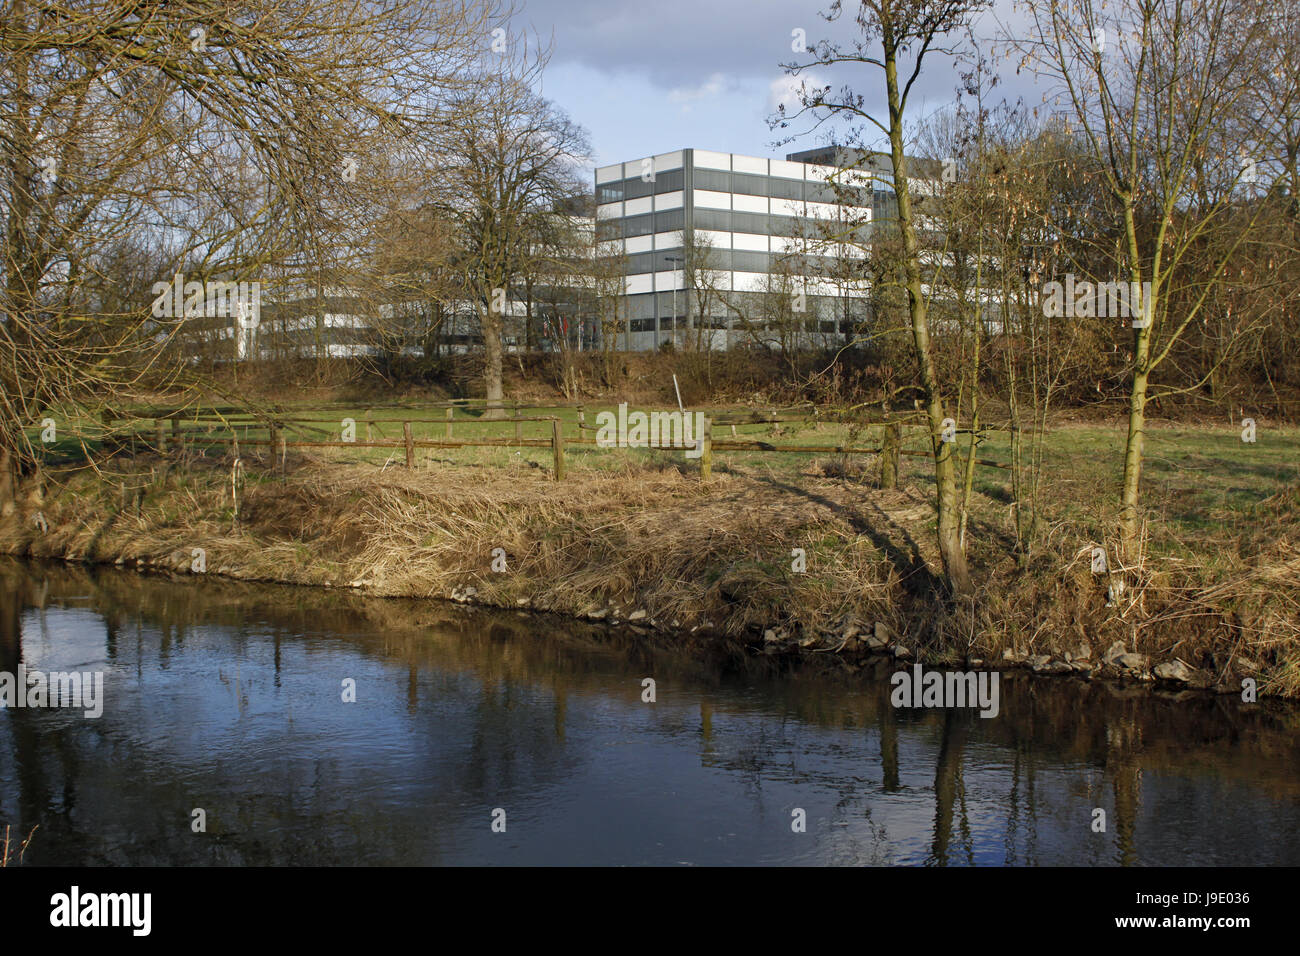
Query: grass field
{"x": 1197, "y": 481}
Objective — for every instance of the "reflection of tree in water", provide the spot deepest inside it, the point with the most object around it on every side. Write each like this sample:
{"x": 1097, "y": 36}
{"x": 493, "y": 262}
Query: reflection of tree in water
{"x": 498, "y": 735}
{"x": 10, "y": 610}
{"x": 46, "y": 769}
{"x": 949, "y": 790}
{"x": 1124, "y": 744}
{"x": 514, "y": 683}
{"x": 862, "y": 842}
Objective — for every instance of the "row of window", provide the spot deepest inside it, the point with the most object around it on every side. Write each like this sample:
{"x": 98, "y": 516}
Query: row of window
{"x": 740, "y": 260}
{"x": 636, "y": 187}
{"x": 763, "y": 224}
{"x": 672, "y": 220}
{"x": 748, "y": 184}
{"x": 642, "y": 307}
{"x": 720, "y": 322}
{"x": 718, "y": 220}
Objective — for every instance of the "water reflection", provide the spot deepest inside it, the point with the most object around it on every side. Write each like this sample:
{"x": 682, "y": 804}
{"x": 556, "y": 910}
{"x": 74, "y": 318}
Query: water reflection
{"x": 229, "y": 698}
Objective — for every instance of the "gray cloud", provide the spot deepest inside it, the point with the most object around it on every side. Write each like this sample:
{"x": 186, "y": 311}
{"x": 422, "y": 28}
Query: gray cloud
{"x": 690, "y": 45}
{"x": 678, "y": 43}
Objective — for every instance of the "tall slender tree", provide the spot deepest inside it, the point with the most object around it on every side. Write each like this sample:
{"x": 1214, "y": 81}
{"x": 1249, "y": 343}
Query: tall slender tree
{"x": 897, "y": 37}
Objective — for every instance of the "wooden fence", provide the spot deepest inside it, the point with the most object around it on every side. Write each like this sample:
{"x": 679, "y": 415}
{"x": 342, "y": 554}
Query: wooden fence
{"x": 169, "y": 430}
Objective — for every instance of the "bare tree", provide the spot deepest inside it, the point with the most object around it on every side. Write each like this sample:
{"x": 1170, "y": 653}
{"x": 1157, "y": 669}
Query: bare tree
{"x": 222, "y": 141}
{"x": 1158, "y": 88}
{"x": 520, "y": 157}
{"x": 896, "y": 36}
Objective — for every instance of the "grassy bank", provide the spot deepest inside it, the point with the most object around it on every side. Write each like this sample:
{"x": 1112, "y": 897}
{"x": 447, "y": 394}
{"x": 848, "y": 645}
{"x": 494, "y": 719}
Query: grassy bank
{"x": 635, "y": 537}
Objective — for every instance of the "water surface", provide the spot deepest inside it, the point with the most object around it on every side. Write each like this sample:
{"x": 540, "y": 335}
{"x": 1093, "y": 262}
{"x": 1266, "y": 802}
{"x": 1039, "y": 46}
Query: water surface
{"x": 229, "y": 698}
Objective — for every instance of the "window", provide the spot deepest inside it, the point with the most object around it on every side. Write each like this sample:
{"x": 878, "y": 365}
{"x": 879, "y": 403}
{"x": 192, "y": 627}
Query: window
{"x": 716, "y": 219}
{"x": 643, "y": 325}
{"x": 784, "y": 226}
{"x": 821, "y": 192}
{"x": 607, "y": 229}
{"x": 666, "y": 301}
{"x": 714, "y": 179}
{"x": 674, "y": 220}
{"x": 754, "y": 222}
{"x": 670, "y": 181}
{"x": 885, "y": 205}
{"x": 749, "y": 184}
{"x": 641, "y": 307}
{"x": 642, "y": 262}
{"x": 781, "y": 189}
{"x": 636, "y": 188}
{"x": 750, "y": 261}
{"x": 609, "y": 192}
{"x": 640, "y": 225}
{"x": 717, "y": 260}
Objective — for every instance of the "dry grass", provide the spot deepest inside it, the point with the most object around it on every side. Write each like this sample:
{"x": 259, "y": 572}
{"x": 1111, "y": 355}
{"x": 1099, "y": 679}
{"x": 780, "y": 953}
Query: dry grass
{"x": 647, "y": 536}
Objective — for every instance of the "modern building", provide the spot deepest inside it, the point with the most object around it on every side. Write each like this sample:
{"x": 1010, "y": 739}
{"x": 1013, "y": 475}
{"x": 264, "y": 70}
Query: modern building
{"x": 730, "y": 248}
{"x": 692, "y": 247}
{"x": 551, "y": 307}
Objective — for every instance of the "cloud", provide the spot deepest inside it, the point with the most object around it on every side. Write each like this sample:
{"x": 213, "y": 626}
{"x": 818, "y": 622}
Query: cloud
{"x": 648, "y": 77}
{"x": 679, "y": 44}
{"x": 784, "y": 91}
{"x": 709, "y": 89}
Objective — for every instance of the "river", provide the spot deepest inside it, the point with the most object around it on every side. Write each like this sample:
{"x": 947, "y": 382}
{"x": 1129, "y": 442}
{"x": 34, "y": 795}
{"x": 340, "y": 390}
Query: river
{"x": 497, "y": 738}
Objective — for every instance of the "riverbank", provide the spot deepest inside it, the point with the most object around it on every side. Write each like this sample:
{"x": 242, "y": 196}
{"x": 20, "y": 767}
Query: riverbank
{"x": 813, "y": 565}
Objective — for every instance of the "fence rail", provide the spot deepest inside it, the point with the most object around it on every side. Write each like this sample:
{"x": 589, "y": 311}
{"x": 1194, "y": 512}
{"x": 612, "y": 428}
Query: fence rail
{"x": 170, "y": 434}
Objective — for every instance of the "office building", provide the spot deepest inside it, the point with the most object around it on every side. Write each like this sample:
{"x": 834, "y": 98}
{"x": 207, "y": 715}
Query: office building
{"x": 766, "y": 236}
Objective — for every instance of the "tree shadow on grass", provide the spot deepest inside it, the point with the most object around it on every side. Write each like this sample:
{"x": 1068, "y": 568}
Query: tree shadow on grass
{"x": 918, "y": 578}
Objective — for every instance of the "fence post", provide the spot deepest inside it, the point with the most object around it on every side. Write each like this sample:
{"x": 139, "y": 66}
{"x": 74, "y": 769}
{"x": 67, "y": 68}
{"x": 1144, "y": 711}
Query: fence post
{"x": 706, "y": 451}
{"x": 6, "y": 478}
{"x": 410, "y": 445}
{"x": 369, "y": 416}
{"x": 889, "y": 455}
{"x": 281, "y": 450}
{"x": 451, "y": 410}
{"x": 557, "y": 446}
{"x": 160, "y": 436}
{"x": 177, "y": 441}
{"x": 582, "y": 419}
{"x": 519, "y": 428}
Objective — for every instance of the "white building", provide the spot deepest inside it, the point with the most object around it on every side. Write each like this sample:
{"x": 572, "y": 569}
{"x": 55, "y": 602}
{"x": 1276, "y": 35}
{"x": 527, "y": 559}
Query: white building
{"x": 789, "y": 227}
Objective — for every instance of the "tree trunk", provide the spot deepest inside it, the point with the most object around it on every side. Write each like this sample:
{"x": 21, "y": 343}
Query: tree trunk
{"x": 1129, "y": 495}
{"x": 491, "y": 323}
{"x": 6, "y": 482}
{"x": 1131, "y": 490}
{"x": 945, "y": 470}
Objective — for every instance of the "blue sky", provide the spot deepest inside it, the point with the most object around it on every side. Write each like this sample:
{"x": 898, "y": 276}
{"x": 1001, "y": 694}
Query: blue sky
{"x": 649, "y": 77}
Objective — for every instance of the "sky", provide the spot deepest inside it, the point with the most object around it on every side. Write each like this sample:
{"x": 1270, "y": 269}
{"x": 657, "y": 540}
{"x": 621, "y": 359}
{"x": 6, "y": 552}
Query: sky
{"x": 651, "y": 76}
